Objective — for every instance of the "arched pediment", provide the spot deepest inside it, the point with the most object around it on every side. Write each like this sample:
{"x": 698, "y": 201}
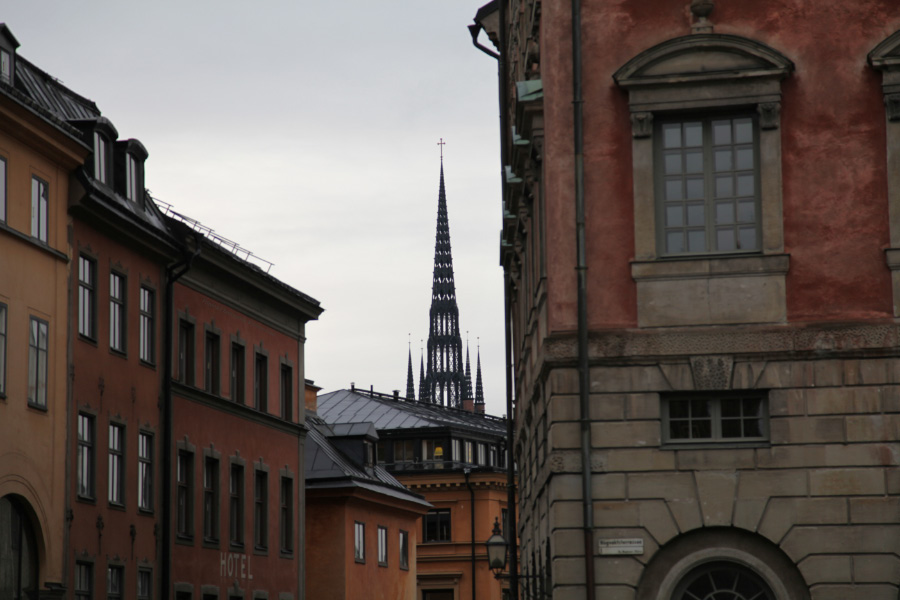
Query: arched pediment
{"x": 701, "y": 58}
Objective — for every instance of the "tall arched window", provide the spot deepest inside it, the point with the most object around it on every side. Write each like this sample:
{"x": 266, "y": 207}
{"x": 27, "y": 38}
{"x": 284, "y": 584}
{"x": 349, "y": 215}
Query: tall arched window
{"x": 722, "y": 581}
{"x": 18, "y": 553}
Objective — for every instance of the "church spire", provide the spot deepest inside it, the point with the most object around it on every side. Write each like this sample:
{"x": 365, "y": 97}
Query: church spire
{"x": 479, "y": 389}
{"x": 410, "y": 384}
{"x": 469, "y": 388}
{"x": 423, "y": 388}
{"x": 445, "y": 379}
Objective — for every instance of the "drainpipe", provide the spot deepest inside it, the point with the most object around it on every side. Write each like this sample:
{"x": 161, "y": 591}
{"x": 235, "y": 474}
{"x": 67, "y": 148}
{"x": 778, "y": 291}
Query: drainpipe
{"x": 466, "y": 472}
{"x": 503, "y": 89}
{"x": 584, "y": 377}
{"x": 174, "y": 272}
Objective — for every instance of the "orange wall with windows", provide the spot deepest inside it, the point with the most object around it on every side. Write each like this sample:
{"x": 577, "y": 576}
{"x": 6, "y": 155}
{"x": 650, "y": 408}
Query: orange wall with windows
{"x": 34, "y": 283}
{"x": 447, "y": 565}
{"x": 332, "y": 571}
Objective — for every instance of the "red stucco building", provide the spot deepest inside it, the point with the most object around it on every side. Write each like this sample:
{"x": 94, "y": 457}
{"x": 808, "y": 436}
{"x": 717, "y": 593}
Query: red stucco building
{"x": 700, "y": 241}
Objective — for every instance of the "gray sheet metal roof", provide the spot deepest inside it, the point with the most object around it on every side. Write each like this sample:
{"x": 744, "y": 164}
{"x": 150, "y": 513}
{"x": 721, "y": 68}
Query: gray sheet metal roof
{"x": 51, "y": 95}
{"x": 327, "y": 467}
{"x": 388, "y": 413}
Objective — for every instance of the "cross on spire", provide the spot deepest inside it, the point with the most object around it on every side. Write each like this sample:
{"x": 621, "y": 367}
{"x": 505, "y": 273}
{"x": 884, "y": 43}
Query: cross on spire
{"x": 442, "y": 143}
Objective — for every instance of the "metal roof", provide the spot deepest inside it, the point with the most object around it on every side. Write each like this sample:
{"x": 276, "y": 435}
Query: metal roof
{"x": 328, "y": 467}
{"x": 390, "y": 413}
{"x": 51, "y": 95}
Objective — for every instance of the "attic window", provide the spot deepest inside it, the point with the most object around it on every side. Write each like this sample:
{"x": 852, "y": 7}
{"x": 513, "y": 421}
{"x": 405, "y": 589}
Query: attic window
{"x": 100, "y": 157}
{"x": 5, "y": 67}
{"x": 131, "y": 178}
{"x": 370, "y": 454}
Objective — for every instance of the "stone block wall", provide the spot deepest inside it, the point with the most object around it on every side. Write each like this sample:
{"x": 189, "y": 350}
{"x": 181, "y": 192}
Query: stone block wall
{"x": 824, "y": 492}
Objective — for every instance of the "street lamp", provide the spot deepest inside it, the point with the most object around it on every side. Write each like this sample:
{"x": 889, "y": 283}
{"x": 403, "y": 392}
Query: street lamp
{"x": 496, "y": 550}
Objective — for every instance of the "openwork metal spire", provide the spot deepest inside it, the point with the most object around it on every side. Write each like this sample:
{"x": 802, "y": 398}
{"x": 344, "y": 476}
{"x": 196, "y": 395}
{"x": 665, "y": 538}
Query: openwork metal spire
{"x": 423, "y": 389}
{"x": 444, "y": 379}
{"x": 479, "y": 389}
{"x": 469, "y": 388}
{"x": 410, "y": 384}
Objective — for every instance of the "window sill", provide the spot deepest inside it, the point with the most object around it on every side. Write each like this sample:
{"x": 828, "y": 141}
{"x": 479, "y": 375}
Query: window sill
{"x": 119, "y": 353}
{"x": 87, "y": 339}
{"x": 211, "y": 543}
{"x": 38, "y": 407}
{"x": 117, "y": 506}
{"x": 236, "y": 546}
{"x": 86, "y": 499}
{"x": 261, "y": 551}
{"x": 705, "y": 265}
{"x": 715, "y": 445}
{"x": 359, "y": 561}
{"x": 383, "y": 564}
{"x": 147, "y": 512}
{"x": 147, "y": 363}
{"x": 184, "y": 540}
{"x": 289, "y": 554}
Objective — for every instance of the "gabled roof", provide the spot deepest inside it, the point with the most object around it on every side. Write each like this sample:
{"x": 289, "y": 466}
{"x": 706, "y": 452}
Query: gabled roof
{"x": 51, "y": 95}
{"x": 328, "y": 467}
{"x": 389, "y": 413}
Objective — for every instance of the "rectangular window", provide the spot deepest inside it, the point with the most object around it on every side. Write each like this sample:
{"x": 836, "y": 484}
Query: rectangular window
{"x": 287, "y": 511}
{"x": 211, "y": 500}
{"x": 116, "y": 477}
{"x": 236, "y": 505}
{"x": 454, "y": 448}
{"x": 84, "y": 581}
{"x": 212, "y": 377}
{"x": 186, "y": 352}
{"x": 99, "y": 157}
{"x": 131, "y": 178}
{"x": 260, "y": 383}
{"x": 145, "y": 471}
{"x": 287, "y": 398}
{"x": 237, "y": 373}
{"x": 117, "y": 312}
{"x": 469, "y": 458}
{"x": 481, "y": 455}
{"x": 87, "y": 269}
{"x": 145, "y": 584}
{"x": 359, "y": 541}
{"x": 404, "y": 451}
{"x": 39, "y": 195}
{"x": 5, "y": 67}
{"x": 260, "y": 510}
{"x": 382, "y": 546}
{"x": 708, "y": 182}
{"x": 492, "y": 456}
{"x": 2, "y": 349}
{"x": 436, "y": 525}
{"x": 114, "y": 578}
{"x": 37, "y": 363}
{"x": 184, "y": 477}
{"x": 148, "y": 333}
{"x": 85, "y": 456}
{"x": 404, "y": 550}
{"x": 2, "y": 189}
{"x": 705, "y": 418}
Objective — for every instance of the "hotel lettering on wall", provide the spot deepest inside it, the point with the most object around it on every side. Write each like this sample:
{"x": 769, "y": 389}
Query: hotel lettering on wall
{"x": 235, "y": 565}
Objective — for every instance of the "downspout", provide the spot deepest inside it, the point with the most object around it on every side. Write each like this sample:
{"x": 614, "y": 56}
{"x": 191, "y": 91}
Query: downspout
{"x": 466, "y": 472}
{"x": 503, "y": 77}
{"x": 584, "y": 377}
{"x": 174, "y": 272}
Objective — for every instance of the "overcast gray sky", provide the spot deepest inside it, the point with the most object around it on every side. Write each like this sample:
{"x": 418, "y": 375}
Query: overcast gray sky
{"x": 307, "y": 132}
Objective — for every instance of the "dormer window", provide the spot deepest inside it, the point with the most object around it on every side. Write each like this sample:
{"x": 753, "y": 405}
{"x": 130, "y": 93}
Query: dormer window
{"x": 370, "y": 454}
{"x": 131, "y": 178}
{"x": 5, "y": 67}
{"x": 100, "y": 157}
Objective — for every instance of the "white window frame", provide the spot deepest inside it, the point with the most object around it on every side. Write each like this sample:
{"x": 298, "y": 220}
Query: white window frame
{"x": 100, "y": 149}
{"x": 39, "y": 206}
{"x": 382, "y": 546}
{"x": 131, "y": 177}
{"x": 359, "y": 542}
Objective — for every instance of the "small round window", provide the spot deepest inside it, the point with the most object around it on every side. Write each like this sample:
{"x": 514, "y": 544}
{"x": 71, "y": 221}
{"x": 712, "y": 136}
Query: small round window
{"x": 722, "y": 581}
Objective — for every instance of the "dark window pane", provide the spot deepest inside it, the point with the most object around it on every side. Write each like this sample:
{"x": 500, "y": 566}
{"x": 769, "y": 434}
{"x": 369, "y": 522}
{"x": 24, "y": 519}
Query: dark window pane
{"x": 674, "y": 216}
{"x": 731, "y": 428}
{"x": 724, "y": 187}
{"x": 679, "y": 430}
{"x": 673, "y": 189}
{"x": 673, "y": 164}
{"x": 697, "y": 241}
{"x": 725, "y": 240}
{"x": 745, "y": 158}
{"x": 701, "y": 429}
{"x": 745, "y": 185}
{"x": 679, "y": 409}
{"x": 693, "y": 162}
{"x": 721, "y": 132}
{"x": 693, "y": 134}
{"x": 724, "y": 213}
{"x": 743, "y": 131}
{"x": 723, "y": 160}
{"x": 695, "y": 189}
{"x": 674, "y": 242}
{"x": 747, "y": 238}
{"x": 672, "y": 135}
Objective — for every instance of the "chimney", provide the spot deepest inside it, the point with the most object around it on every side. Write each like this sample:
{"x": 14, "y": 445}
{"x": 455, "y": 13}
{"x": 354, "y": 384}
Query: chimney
{"x": 310, "y": 395}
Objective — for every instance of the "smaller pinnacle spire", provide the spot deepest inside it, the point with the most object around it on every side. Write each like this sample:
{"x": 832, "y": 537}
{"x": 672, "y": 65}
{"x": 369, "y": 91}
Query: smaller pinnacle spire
{"x": 424, "y": 396}
{"x": 469, "y": 389}
{"x": 479, "y": 389}
{"x": 410, "y": 384}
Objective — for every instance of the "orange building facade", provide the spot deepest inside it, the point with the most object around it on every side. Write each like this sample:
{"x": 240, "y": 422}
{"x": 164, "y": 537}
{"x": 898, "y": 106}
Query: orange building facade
{"x": 37, "y": 154}
{"x": 361, "y": 522}
{"x": 453, "y": 458}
